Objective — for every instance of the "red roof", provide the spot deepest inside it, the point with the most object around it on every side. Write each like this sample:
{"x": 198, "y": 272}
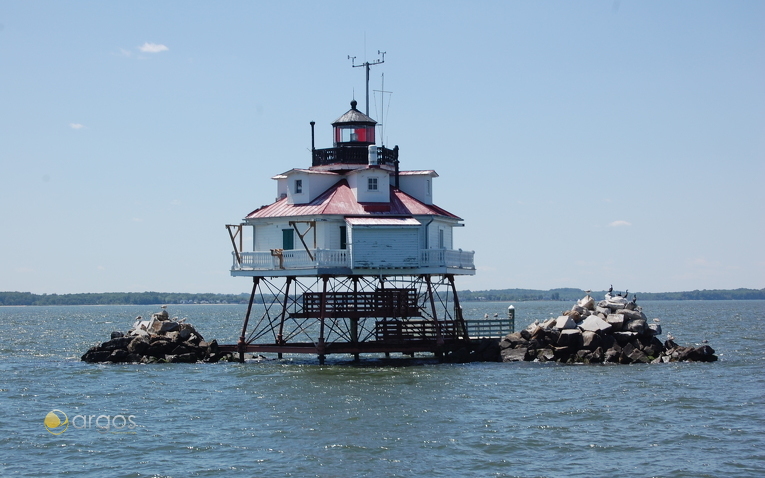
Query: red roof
{"x": 340, "y": 200}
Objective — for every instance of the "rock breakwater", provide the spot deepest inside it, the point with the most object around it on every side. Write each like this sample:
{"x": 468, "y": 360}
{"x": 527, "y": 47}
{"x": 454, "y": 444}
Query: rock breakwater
{"x": 614, "y": 330}
{"x": 158, "y": 340}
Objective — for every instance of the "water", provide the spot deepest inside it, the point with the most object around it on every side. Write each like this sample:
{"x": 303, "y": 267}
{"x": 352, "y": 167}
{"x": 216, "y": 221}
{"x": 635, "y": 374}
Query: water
{"x": 399, "y": 417}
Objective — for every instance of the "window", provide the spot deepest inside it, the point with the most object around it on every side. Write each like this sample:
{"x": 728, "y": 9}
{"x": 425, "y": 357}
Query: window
{"x": 298, "y": 186}
{"x": 362, "y": 134}
{"x": 343, "y": 237}
{"x": 372, "y": 184}
{"x": 427, "y": 181}
{"x": 288, "y": 239}
{"x": 441, "y": 239}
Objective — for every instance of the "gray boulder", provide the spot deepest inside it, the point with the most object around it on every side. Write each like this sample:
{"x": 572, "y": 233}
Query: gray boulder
{"x": 631, "y": 314}
{"x": 591, "y": 340}
{"x": 623, "y": 338}
{"x": 636, "y": 325}
{"x": 565, "y": 322}
{"x": 168, "y": 326}
{"x": 118, "y": 356}
{"x": 545, "y": 355}
{"x": 593, "y": 323}
{"x": 183, "y": 358}
{"x": 513, "y": 355}
{"x": 511, "y": 341}
{"x": 115, "y": 344}
{"x": 570, "y": 338}
{"x": 138, "y": 345}
{"x": 604, "y": 311}
{"x": 95, "y": 356}
{"x": 616, "y": 321}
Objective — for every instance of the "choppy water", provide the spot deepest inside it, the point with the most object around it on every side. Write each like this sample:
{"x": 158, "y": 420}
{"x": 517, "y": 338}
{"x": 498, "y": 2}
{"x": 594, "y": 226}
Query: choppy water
{"x": 398, "y": 417}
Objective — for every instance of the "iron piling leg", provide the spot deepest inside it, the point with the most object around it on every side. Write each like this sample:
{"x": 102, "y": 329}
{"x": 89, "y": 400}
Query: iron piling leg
{"x": 279, "y": 336}
{"x": 439, "y": 337}
{"x": 355, "y": 320}
{"x": 242, "y": 344}
{"x": 458, "y": 310}
{"x": 320, "y": 347}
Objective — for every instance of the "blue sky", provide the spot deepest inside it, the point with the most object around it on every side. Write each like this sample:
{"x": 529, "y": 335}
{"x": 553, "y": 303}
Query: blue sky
{"x": 584, "y": 143}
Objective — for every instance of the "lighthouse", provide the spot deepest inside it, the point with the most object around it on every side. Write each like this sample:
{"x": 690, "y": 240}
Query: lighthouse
{"x": 352, "y": 257}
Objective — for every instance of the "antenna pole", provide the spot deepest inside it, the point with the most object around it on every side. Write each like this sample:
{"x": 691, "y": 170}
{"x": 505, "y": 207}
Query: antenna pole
{"x": 382, "y": 109}
{"x": 366, "y": 65}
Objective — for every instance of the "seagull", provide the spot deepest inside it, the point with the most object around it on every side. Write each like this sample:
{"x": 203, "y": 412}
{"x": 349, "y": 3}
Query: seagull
{"x": 670, "y": 337}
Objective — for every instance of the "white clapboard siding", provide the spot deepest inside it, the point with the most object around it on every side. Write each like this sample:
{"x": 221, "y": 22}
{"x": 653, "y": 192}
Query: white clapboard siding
{"x": 385, "y": 247}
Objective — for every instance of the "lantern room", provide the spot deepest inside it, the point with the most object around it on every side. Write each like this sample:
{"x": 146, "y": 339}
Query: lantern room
{"x": 354, "y": 128}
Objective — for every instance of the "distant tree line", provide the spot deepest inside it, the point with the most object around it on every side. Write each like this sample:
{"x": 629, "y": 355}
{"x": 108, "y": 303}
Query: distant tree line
{"x": 119, "y": 298}
{"x": 523, "y": 295}
{"x": 502, "y": 295}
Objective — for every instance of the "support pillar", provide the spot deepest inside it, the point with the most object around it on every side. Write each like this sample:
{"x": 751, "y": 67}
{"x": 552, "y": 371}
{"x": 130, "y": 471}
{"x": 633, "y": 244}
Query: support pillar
{"x": 320, "y": 347}
{"x": 439, "y": 337}
{"x": 279, "y": 336}
{"x": 458, "y": 310}
{"x": 242, "y": 344}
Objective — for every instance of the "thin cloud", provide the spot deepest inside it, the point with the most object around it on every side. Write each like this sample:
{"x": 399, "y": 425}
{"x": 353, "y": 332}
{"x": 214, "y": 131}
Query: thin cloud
{"x": 152, "y": 47}
{"x": 620, "y": 223}
{"x": 76, "y": 125}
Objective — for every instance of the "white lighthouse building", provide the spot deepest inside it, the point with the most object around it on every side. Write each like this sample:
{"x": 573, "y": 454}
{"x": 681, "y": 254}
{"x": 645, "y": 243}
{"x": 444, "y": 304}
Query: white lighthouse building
{"x": 353, "y": 256}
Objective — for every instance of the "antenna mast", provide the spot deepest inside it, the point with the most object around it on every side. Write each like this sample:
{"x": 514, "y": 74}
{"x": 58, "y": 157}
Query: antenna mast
{"x": 382, "y": 108}
{"x": 367, "y": 64}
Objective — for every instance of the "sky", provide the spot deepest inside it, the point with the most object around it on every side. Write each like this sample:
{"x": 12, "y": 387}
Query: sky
{"x": 584, "y": 143}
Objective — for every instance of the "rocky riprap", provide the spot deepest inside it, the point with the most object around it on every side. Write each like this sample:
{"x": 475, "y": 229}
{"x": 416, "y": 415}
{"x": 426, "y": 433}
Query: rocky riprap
{"x": 613, "y": 330}
{"x": 159, "y": 340}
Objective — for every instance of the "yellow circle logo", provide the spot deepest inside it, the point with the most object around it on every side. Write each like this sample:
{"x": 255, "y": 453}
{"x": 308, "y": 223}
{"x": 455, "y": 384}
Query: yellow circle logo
{"x": 56, "y": 422}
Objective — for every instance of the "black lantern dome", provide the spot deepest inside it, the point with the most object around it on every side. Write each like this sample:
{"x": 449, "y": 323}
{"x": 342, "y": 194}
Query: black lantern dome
{"x": 354, "y": 128}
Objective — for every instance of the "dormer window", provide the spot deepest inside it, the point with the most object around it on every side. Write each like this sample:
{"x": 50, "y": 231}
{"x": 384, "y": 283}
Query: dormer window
{"x": 372, "y": 184}
{"x": 298, "y": 186}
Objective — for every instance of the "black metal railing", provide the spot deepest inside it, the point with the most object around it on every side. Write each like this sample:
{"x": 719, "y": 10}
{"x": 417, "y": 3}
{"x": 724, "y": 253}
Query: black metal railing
{"x": 353, "y": 155}
{"x": 487, "y": 328}
{"x": 401, "y": 331}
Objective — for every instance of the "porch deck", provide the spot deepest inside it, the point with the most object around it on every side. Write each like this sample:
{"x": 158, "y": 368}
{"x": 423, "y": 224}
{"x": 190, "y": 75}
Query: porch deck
{"x": 341, "y": 261}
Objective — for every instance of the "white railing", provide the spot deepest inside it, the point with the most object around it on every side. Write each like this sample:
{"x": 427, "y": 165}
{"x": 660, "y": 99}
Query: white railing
{"x": 447, "y": 258}
{"x": 333, "y": 258}
{"x": 254, "y": 260}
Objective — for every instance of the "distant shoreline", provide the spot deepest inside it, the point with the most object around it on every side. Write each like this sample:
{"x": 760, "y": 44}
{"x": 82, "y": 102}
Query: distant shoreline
{"x": 501, "y": 295}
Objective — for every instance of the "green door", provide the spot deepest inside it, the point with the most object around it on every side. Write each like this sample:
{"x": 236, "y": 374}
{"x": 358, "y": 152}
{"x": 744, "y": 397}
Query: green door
{"x": 288, "y": 239}
{"x": 343, "y": 237}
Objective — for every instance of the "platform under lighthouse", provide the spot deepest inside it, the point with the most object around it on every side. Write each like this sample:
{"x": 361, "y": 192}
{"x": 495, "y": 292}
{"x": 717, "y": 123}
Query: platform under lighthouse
{"x": 353, "y": 256}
